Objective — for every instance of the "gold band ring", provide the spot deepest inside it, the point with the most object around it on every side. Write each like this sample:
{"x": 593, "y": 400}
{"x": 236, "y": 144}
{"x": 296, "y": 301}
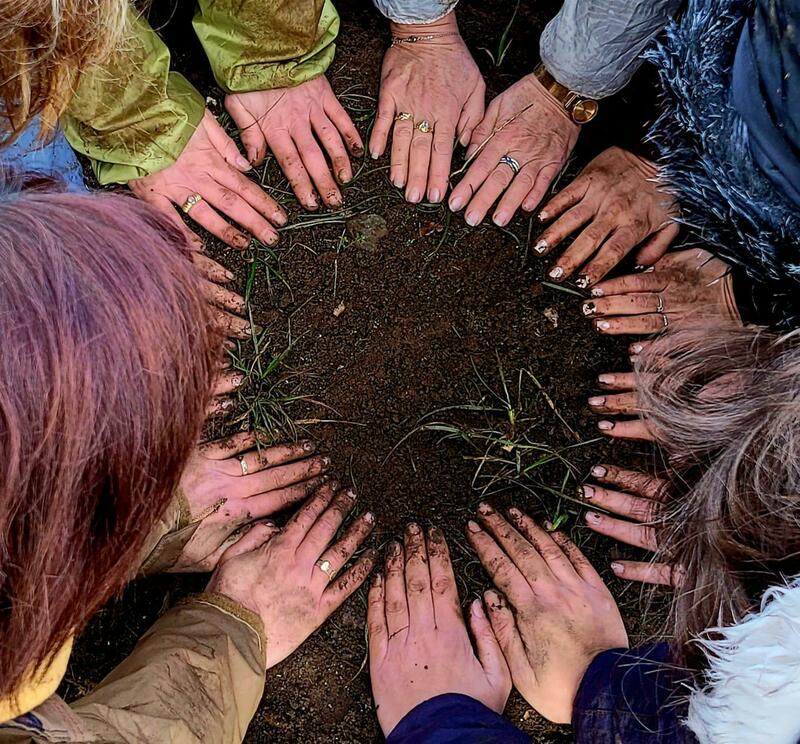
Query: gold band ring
{"x": 327, "y": 568}
{"x": 403, "y": 116}
{"x": 660, "y": 305}
{"x": 424, "y": 126}
{"x": 190, "y": 202}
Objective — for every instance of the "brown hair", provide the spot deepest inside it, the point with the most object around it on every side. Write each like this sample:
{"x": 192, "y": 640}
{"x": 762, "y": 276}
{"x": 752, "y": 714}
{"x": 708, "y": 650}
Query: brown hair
{"x": 106, "y": 365}
{"x": 725, "y": 402}
{"x": 44, "y": 45}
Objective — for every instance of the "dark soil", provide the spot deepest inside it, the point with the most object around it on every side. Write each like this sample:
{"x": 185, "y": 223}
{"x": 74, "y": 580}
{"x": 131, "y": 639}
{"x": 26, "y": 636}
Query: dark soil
{"x": 427, "y": 307}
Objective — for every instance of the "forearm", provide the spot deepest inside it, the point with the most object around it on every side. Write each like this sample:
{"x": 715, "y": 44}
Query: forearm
{"x": 132, "y": 116}
{"x": 266, "y": 44}
{"x": 415, "y": 11}
{"x": 595, "y": 47}
{"x": 197, "y": 676}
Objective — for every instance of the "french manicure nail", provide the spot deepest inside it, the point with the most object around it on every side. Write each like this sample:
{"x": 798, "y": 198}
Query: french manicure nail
{"x": 597, "y": 400}
{"x": 589, "y": 308}
{"x": 617, "y": 568}
{"x": 586, "y": 492}
{"x": 593, "y": 517}
{"x": 326, "y": 461}
{"x": 369, "y": 517}
{"x": 377, "y": 579}
{"x": 373, "y": 155}
{"x": 500, "y": 219}
{"x": 582, "y": 281}
{"x": 484, "y": 508}
{"x": 556, "y": 273}
{"x": 639, "y": 267}
{"x": 636, "y": 348}
{"x": 456, "y": 204}
{"x": 472, "y": 526}
{"x": 541, "y": 246}
{"x": 229, "y": 275}
{"x": 603, "y": 325}
{"x": 606, "y": 379}
{"x": 596, "y": 292}
{"x": 471, "y": 219}
{"x": 237, "y": 381}
{"x": 413, "y": 529}
{"x": 227, "y": 404}
{"x": 398, "y": 183}
{"x": 351, "y": 494}
{"x": 542, "y": 217}
{"x": 514, "y": 512}
{"x": 649, "y": 270}
{"x": 309, "y": 446}
{"x": 598, "y": 471}
{"x": 605, "y": 425}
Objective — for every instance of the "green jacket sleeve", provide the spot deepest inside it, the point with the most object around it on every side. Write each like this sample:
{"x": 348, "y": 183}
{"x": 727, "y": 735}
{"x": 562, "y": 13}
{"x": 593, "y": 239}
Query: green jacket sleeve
{"x": 266, "y": 44}
{"x": 132, "y": 116}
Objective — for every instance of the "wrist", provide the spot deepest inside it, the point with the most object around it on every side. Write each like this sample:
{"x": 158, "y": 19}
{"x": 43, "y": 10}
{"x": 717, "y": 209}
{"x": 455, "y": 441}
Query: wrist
{"x": 446, "y": 24}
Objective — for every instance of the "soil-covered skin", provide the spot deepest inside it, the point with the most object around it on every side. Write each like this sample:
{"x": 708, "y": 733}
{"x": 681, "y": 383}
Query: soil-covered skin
{"x": 392, "y": 312}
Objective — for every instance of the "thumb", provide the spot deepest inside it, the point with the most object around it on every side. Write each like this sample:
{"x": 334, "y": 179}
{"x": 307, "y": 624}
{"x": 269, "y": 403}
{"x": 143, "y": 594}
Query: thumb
{"x": 249, "y": 538}
{"x": 223, "y": 144}
{"x": 490, "y": 654}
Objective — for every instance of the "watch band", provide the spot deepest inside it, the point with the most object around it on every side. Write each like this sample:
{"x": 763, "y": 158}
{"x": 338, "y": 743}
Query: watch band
{"x": 580, "y": 108}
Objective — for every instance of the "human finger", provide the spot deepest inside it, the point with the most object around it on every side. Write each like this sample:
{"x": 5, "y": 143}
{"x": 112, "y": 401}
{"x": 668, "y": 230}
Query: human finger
{"x": 581, "y": 249}
{"x": 617, "y": 380}
{"x": 507, "y": 634}
{"x": 544, "y": 178}
{"x": 285, "y": 151}
{"x": 230, "y": 324}
{"x": 490, "y": 655}
{"x": 270, "y": 502}
{"x": 164, "y": 205}
{"x": 496, "y": 182}
{"x": 207, "y": 217}
{"x": 512, "y": 198}
{"x": 263, "y": 458}
{"x": 227, "y": 382}
{"x": 331, "y": 140}
{"x": 630, "y": 533}
{"x": 222, "y": 449}
{"x": 223, "y": 143}
{"x": 635, "y": 429}
{"x": 265, "y": 207}
{"x": 224, "y": 298}
{"x": 649, "y": 282}
{"x": 418, "y": 578}
{"x": 228, "y": 200}
{"x": 396, "y": 607}
{"x": 545, "y": 546}
{"x": 401, "y": 147}
{"x": 302, "y": 521}
{"x": 344, "y": 125}
{"x": 327, "y": 524}
{"x": 632, "y": 303}
{"x": 419, "y": 159}
{"x": 498, "y": 565}
{"x": 624, "y": 504}
{"x": 377, "y": 632}
{"x": 618, "y": 245}
{"x": 647, "y": 572}
{"x": 580, "y": 563}
{"x": 632, "y": 324}
{"x": 317, "y": 167}
{"x": 218, "y": 406}
{"x": 563, "y": 227}
{"x": 282, "y": 476}
{"x": 210, "y": 269}
{"x": 471, "y": 114}
{"x": 476, "y": 174}
{"x": 632, "y": 481}
{"x": 443, "y": 581}
{"x": 247, "y": 539}
{"x": 569, "y": 196}
{"x": 384, "y": 118}
{"x": 656, "y": 245}
{"x": 343, "y": 586}
{"x": 343, "y": 550}
{"x": 622, "y": 404}
{"x": 441, "y": 158}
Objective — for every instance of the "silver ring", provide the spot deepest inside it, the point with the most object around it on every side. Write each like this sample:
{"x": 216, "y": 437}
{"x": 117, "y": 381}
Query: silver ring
{"x": 660, "y": 305}
{"x": 326, "y": 567}
{"x": 512, "y": 163}
{"x": 243, "y": 465}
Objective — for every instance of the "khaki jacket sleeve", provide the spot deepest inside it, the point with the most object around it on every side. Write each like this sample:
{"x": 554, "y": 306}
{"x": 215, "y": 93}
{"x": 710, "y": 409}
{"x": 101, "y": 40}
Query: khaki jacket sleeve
{"x": 196, "y": 677}
{"x": 169, "y": 537}
{"x": 132, "y": 116}
{"x": 266, "y": 44}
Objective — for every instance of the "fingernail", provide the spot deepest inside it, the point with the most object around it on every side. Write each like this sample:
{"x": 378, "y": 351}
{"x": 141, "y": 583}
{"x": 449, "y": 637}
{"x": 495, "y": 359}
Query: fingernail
{"x": 476, "y": 608}
{"x": 434, "y": 196}
{"x": 556, "y": 273}
{"x": 597, "y": 400}
{"x": 243, "y": 163}
{"x": 334, "y": 485}
{"x": 473, "y": 526}
{"x": 398, "y": 183}
{"x": 326, "y": 461}
{"x": 394, "y": 548}
{"x": 351, "y": 494}
{"x": 484, "y": 508}
{"x": 636, "y": 348}
{"x": 471, "y": 219}
{"x": 649, "y": 270}
{"x": 639, "y": 267}
{"x": 586, "y": 492}
{"x": 617, "y": 568}
{"x": 593, "y": 517}
{"x": 492, "y": 599}
{"x": 598, "y": 471}
{"x": 548, "y": 525}
{"x": 227, "y": 404}
{"x": 606, "y": 379}
{"x": 229, "y": 275}
{"x": 542, "y": 216}
{"x": 541, "y": 246}
{"x": 605, "y": 425}
{"x": 309, "y": 446}
{"x": 456, "y": 204}
{"x": 369, "y": 517}
{"x": 596, "y": 292}
{"x": 373, "y": 155}
{"x": 501, "y": 219}
{"x": 582, "y": 281}
{"x": 589, "y": 308}
{"x": 377, "y": 579}
{"x": 514, "y": 512}
{"x": 414, "y": 196}
{"x": 413, "y": 529}
{"x": 603, "y": 325}
{"x": 237, "y": 381}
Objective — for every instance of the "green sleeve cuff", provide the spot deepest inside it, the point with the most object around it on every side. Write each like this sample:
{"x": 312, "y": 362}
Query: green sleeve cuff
{"x": 266, "y": 44}
{"x": 132, "y": 116}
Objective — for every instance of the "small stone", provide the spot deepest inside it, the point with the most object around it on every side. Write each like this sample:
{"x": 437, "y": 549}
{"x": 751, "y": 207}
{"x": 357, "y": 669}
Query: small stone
{"x": 339, "y": 309}
{"x": 552, "y": 315}
{"x": 367, "y": 230}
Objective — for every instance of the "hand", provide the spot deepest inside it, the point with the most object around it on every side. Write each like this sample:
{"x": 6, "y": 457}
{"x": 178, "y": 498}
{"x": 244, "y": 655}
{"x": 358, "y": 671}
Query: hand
{"x": 622, "y": 402}
{"x": 528, "y": 124}
{"x": 561, "y": 614}
{"x": 281, "y": 581}
{"x": 639, "y": 499}
{"x": 418, "y": 645}
{"x": 618, "y": 202}
{"x": 437, "y": 81}
{"x": 286, "y": 121}
{"x": 225, "y": 499}
{"x": 227, "y": 307}
{"x": 211, "y": 166}
{"x": 684, "y": 286}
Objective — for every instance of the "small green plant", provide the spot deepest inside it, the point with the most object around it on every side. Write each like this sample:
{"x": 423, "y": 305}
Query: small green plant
{"x": 503, "y": 45}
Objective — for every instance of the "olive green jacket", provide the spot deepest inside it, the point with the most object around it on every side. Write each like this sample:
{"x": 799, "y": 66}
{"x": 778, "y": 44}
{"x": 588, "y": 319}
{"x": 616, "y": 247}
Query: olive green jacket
{"x": 132, "y": 116}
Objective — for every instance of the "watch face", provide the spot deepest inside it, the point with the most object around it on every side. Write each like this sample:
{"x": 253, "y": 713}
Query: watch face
{"x": 584, "y": 111}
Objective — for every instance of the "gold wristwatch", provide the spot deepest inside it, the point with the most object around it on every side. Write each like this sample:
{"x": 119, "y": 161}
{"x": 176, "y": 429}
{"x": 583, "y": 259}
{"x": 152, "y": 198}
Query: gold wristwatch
{"x": 580, "y": 108}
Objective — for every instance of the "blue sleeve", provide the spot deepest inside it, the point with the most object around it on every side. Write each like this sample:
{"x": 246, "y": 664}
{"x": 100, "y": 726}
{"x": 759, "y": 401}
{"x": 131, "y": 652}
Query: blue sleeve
{"x": 634, "y": 696}
{"x": 455, "y": 719}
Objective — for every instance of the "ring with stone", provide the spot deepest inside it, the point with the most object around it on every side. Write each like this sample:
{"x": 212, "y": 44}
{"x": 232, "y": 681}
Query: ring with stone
{"x": 512, "y": 163}
{"x": 190, "y": 202}
{"x": 326, "y": 567}
{"x": 424, "y": 126}
{"x": 402, "y": 116}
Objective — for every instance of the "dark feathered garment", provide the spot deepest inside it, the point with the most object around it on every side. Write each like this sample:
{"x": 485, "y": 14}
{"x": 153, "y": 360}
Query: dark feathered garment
{"x": 731, "y": 202}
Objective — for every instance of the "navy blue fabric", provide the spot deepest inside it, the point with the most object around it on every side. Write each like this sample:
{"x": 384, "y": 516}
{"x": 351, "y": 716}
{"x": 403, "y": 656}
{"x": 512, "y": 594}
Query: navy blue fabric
{"x": 455, "y": 719}
{"x": 633, "y": 696}
{"x": 766, "y": 91}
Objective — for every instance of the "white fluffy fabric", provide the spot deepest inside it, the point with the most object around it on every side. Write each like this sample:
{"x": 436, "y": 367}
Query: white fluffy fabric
{"x": 752, "y": 691}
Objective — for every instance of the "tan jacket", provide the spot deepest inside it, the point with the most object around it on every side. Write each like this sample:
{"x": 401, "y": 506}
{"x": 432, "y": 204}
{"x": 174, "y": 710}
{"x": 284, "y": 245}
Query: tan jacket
{"x": 196, "y": 676}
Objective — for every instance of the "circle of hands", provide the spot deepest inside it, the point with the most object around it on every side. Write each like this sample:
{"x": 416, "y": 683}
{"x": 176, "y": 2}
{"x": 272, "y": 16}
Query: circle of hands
{"x": 549, "y": 612}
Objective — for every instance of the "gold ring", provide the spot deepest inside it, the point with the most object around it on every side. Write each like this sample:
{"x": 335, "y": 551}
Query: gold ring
{"x": 190, "y": 202}
{"x": 424, "y": 126}
{"x": 243, "y": 465}
{"x": 665, "y": 318}
{"x": 402, "y": 116}
{"x": 660, "y": 305}
{"x": 326, "y": 567}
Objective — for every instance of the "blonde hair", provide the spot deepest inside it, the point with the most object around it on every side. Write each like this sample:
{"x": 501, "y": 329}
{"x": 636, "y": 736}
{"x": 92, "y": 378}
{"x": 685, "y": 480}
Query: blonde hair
{"x": 44, "y": 46}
